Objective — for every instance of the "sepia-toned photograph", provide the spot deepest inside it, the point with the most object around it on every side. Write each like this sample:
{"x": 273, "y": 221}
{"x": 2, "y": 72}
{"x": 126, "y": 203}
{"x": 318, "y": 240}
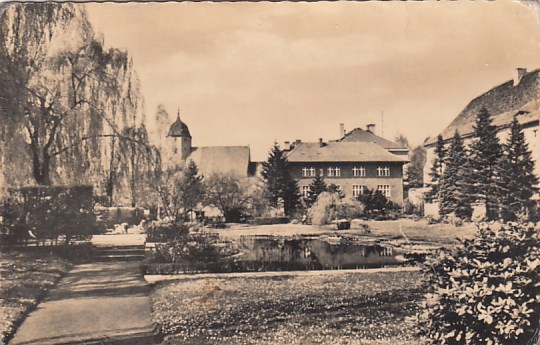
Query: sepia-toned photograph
{"x": 270, "y": 173}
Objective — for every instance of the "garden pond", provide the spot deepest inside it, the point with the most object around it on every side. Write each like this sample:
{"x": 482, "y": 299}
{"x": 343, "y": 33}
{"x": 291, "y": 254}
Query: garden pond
{"x": 315, "y": 253}
{"x": 275, "y": 253}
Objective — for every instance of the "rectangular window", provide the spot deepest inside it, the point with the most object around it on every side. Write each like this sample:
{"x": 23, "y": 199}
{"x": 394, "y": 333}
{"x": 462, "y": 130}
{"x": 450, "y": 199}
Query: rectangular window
{"x": 305, "y": 191}
{"x": 357, "y": 190}
{"x": 384, "y": 189}
{"x": 359, "y": 171}
{"x": 383, "y": 171}
{"x": 334, "y": 171}
{"x": 308, "y": 172}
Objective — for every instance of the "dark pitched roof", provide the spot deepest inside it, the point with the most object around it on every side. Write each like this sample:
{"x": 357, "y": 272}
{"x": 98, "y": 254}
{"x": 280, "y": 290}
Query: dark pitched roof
{"x": 502, "y": 102}
{"x": 342, "y": 152}
{"x": 178, "y": 129}
{"x": 221, "y": 160}
{"x": 360, "y": 135}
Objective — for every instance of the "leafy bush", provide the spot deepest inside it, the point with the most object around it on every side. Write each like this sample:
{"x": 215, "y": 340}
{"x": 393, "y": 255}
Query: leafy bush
{"x": 413, "y": 208}
{"x": 376, "y": 204}
{"x": 487, "y": 291}
{"x": 165, "y": 231}
{"x": 350, "y": 208}
{"x": 77, "y": 253}
{"x": 193, "y": 252}
{"x": 324, "y": 211}
{"x": 332, "y": 206}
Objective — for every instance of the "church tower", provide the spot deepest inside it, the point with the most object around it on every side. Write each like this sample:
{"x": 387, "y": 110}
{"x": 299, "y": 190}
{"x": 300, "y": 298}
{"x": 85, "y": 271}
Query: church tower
{"x": 179, "y": 139}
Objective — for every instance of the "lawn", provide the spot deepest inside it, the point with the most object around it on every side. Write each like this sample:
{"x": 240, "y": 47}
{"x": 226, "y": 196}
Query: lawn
{"x": 348, "y": 308}
{"x": 24, "y": 279}
{"x": 415, "y": 230}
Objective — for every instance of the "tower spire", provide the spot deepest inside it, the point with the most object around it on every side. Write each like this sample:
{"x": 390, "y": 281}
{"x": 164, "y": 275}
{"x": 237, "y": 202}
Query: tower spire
{"x": 178, "y": 115}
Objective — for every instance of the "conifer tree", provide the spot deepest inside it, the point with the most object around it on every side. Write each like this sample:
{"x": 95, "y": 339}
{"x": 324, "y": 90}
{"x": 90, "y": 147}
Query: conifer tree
{"x": 486, "y": 152}
{"x": 437, "y": 169}
{"x": 316, "y": 187}
{"x": 280, "y": 185}
{"x": 454, "y": 196}
{"x": 191, "y": 188}
{"x": 517, "y": 180}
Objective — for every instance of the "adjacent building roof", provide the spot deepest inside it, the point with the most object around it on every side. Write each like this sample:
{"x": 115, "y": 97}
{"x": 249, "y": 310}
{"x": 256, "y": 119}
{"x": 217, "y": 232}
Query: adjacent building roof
{"x": 502, "y": 102}
{"x": 360, "y": 135}
{"x": 221, "y": 160}
{"x": 178, "y": 129}
{"x": 342, "y": 152}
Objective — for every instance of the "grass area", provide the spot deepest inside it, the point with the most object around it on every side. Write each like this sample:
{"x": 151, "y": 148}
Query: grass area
{"x": 349, "y": 308}
{"x": 24, "y": 279}
{"x": 421, "y": 230}
{"x": 417, "y": 230}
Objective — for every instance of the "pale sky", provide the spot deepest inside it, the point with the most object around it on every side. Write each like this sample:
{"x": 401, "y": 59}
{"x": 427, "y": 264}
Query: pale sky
{"x": 252, "y": 73}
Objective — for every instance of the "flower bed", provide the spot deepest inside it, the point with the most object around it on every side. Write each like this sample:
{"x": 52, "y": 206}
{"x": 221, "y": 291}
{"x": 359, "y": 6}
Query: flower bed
{"x": 24, "y": 279}
{"x": 350, "y": 308}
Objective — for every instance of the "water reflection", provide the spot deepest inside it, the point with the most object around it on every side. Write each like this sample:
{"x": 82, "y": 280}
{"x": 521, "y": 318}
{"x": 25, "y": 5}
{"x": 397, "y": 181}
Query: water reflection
{"x": 315, "y": 253}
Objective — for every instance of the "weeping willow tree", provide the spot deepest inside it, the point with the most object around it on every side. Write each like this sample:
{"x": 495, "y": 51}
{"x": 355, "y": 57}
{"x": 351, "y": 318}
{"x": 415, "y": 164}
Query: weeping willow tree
{"x": 66, "y": 99}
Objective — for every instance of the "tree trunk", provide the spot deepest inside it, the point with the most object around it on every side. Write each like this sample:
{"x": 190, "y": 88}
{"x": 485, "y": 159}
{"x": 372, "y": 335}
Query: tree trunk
{"x": 133, "y": 182}
{"x": 41, "y": 168}
{"x": 110, "y": 181}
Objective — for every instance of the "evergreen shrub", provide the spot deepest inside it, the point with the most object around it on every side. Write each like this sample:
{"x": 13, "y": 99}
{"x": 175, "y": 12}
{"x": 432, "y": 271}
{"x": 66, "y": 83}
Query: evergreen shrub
{"x": 487, "y": 291}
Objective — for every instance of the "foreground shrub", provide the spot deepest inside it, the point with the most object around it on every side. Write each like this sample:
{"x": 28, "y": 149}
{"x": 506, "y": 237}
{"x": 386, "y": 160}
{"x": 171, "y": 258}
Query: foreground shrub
{"x": 487, "y": 291}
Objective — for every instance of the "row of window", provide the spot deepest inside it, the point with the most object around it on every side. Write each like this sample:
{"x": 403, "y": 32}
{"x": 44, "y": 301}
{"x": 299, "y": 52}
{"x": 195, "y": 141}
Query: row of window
{"x": 336, "y": 171}
{"x": 357, "y": 190}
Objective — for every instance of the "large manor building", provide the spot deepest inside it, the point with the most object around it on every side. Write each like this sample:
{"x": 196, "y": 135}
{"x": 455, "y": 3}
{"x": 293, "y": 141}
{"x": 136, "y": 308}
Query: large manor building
{"x": 357, "y": 161}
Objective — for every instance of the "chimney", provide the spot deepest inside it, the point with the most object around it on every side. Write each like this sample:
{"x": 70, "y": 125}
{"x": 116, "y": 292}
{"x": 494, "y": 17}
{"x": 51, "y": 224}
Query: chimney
{"x": 321, "y": 142}
{"x": 297, "y": 142}
{"x": 341, "y": 130}
{"x": 518, "y": 75}
{"x": 371, "y": 128}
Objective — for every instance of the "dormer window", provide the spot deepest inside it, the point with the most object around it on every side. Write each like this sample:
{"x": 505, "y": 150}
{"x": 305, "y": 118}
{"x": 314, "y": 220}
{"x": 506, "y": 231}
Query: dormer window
{"x": 359, "y": 171}
{"x": 383, "y": 171}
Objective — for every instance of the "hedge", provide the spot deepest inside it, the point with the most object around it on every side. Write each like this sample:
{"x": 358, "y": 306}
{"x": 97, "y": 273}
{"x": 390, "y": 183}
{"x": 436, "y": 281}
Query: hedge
{"x": 48, "y": 213}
